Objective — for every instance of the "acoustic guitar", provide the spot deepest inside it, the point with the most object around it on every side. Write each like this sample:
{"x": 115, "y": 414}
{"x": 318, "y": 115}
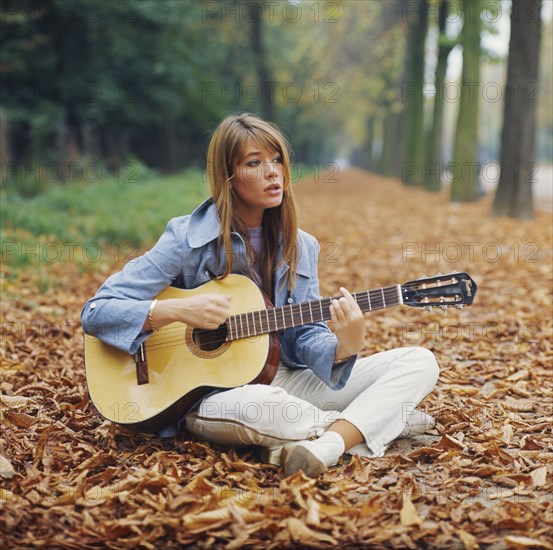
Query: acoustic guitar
{"x": 178, "y": 365}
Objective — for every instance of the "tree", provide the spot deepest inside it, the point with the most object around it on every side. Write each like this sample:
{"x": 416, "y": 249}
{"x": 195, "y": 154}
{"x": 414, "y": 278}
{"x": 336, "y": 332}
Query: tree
{"x": 432, "y": 180}
{"x": 514, "y": 191}
{"x": 258, "y": 49}
{"x": 413, "y": 93}
{"x": 464, "y": 185}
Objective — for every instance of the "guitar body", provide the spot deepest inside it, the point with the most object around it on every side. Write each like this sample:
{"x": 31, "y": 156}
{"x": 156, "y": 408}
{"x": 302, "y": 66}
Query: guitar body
{"x": 179, "y": 367}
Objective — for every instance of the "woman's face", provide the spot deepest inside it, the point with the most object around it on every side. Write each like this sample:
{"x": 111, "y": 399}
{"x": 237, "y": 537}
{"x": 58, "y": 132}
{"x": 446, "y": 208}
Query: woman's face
{"x": 257, "y": 183}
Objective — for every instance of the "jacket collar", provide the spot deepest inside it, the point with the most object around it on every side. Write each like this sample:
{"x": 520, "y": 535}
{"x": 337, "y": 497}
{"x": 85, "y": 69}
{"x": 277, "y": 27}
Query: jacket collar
{"x": 303, "y": 266}
{"x": 204, "y": 224}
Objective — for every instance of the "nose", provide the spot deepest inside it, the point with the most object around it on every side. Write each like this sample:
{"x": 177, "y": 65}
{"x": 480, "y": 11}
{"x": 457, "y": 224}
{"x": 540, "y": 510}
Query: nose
{"x": 270, "y": 170}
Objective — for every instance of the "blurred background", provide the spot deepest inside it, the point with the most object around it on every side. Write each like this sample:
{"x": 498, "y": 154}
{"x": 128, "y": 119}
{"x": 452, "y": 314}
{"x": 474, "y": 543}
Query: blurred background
{"x": 414, "y": 89}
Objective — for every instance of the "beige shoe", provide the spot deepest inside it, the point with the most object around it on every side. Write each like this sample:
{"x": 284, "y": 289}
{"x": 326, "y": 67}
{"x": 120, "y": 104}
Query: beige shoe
{"x": 418, "y": 422}
{"x": 275, "y": 455}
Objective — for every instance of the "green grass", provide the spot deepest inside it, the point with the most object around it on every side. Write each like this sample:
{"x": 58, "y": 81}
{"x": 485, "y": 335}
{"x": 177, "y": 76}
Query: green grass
{"x": 88, "y": 220}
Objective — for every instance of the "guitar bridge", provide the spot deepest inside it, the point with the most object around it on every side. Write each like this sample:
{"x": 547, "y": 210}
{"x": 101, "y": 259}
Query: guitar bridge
{"x": 141, "y": 366}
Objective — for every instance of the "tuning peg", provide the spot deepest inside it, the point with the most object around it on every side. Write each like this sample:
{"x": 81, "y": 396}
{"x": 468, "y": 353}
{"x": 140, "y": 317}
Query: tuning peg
{"x": 444, "y": 307}
{"x": 459, "y": 306}
{"x": 427, "y": 308}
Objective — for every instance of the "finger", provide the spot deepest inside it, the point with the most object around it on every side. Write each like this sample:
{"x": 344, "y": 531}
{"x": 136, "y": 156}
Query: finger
{"x": 351, "y": 300}
{"x": 345, "y": 304}
{"x": 352, "y": 306}
{"x": 226, "y": 298}
{"x": 338, "y": 311}
{"x": 333, "y": 323}
{"x": 347, "y": 294}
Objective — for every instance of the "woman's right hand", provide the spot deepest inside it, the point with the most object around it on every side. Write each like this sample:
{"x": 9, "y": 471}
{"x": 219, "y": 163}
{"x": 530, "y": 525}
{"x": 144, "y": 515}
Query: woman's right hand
{"x": 206, "y": 311}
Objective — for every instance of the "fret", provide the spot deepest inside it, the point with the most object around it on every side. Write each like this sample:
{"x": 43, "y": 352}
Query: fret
{"x": 268, "y": 322}
{"x": 241, "y": 327}
{"x": 369, "y": 298}
{"x": 321, "y": 308}
{"x": 292, "y": 314}
{"x": 399, "y": 296}
{"x": 283, "y": 318}
{"x": 310, "y": 311}
{"x": 276, "y": 321}
{"x": 260, "y": 328}
{"x": 230, "y": 329}
{"x": 383, "y": 300}
{"x": 301, "y": 315}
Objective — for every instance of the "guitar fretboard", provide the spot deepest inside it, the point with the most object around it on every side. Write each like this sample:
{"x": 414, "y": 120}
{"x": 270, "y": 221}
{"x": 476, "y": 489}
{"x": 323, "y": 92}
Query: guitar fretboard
{"x": 254, "y": 323}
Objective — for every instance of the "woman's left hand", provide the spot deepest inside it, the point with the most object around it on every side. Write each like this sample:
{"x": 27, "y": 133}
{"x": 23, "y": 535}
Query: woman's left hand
{"x": 348, "y": 324}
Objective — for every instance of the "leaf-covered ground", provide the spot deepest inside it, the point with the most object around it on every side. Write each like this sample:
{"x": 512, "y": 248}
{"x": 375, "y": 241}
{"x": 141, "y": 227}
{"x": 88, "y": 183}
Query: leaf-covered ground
{"x": 482, "y": 479}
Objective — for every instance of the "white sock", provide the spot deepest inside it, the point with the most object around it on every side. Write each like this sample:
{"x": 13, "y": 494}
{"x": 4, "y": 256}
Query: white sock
{"x": 315, "y": 456}
{"x": 330, "y": 446}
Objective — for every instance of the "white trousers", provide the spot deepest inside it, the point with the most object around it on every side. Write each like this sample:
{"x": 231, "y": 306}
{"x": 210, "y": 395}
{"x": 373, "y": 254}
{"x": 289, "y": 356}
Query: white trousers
{"x": 382, "y": 391}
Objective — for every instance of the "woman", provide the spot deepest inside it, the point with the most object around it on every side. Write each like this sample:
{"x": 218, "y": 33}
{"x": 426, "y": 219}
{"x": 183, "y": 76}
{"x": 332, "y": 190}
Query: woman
{"x": 323, "y": 401}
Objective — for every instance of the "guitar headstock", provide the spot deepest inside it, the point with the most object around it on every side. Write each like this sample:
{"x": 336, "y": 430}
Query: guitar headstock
{"x": 453, "y": 289}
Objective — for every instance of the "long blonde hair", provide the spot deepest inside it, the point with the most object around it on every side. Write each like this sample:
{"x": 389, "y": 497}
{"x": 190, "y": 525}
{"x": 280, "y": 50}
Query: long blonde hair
{"x": 225, "y": 150}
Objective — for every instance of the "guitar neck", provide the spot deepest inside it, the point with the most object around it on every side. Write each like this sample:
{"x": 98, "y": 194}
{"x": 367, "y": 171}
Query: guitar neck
{"x": 255, "y": 323}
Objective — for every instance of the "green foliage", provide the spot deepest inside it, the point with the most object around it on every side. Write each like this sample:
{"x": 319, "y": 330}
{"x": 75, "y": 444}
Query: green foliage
{"x": 127, "y": 85}
{"x": 107, "y": 218}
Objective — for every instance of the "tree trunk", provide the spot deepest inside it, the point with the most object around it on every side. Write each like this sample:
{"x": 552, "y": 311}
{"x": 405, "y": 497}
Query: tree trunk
{"x": 260, "y": 56}
{"x": 413, "y": 94}
{"x": 514, "y": 191}
{"x": 390, "y": 154}
{"x": 364, "y": 155}
{"x": 387, "y": 165}
{"x": 464, "y": 186}
{"x": 5, "y": 156}
{"x": 432, "y": 172}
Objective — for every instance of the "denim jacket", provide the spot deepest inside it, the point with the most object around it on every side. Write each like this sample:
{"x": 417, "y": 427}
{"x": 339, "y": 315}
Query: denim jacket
{"x": 185, "y": 257}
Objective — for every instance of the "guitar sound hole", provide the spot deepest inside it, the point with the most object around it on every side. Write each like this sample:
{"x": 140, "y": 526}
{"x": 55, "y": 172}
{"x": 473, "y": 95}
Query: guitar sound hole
{"x": 209, "y": 340}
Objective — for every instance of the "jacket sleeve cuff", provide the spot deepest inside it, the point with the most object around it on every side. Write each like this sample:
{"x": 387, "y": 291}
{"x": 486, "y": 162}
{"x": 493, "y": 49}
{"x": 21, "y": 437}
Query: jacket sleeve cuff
{"x": 321, "y": 360}
{"x": 123, "y": 335}
{"x": 341, "y": 371}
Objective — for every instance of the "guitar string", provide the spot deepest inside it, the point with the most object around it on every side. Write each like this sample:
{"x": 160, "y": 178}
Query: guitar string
{"x": 289, "y": 314}
{"x": 261, "y": 325}
{"x": 287, "y": 311}
{"x": 376, "y": 303}
{"x": 168, "y": 344}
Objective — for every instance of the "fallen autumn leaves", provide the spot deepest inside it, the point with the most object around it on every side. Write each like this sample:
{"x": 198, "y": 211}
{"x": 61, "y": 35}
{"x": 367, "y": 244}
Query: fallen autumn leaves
{"x": 69, "y": 479}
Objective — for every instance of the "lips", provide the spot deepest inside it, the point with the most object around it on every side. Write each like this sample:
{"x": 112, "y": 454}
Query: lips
{"x": 273, "y": 188}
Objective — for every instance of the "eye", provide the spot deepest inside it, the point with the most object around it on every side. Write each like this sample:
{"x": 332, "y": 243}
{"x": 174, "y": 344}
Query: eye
{"x": 254, "y": 162}
{"x": 278, "y": 159}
